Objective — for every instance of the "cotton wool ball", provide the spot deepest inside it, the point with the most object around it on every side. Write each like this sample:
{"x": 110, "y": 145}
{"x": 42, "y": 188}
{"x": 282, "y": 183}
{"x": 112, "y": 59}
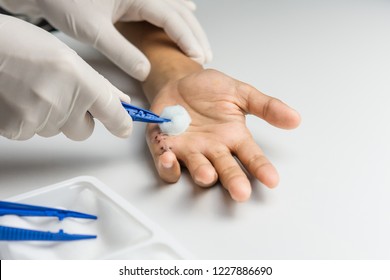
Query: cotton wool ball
{"x": 180, "y": 120}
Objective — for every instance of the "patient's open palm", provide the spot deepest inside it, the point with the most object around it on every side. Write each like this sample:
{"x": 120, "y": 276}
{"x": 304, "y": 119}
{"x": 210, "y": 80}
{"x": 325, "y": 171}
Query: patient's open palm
{"x": 217, "y": 134}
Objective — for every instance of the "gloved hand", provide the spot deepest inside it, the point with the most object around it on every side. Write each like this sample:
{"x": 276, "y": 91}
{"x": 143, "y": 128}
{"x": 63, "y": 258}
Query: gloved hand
{"x": 91, "y": 21}
{"x": 46, "y": 88}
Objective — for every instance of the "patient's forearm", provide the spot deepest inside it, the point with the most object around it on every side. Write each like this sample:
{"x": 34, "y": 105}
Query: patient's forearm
{"x": 167, "y": 61}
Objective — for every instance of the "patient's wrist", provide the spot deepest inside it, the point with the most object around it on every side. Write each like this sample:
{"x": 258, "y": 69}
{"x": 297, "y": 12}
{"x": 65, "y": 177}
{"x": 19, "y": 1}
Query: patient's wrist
{"x": 168, "y": 62}
{"x": 170, "y": 67}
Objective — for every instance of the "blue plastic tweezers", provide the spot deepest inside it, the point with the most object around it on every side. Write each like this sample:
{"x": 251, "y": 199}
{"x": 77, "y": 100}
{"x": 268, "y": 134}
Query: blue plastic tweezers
{"x": 20, "y": 234}
{"x": 143, "y": 115}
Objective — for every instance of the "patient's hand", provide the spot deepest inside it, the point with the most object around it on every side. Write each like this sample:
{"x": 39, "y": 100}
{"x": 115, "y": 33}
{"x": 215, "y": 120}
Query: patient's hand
{"x": 217, "y": 105}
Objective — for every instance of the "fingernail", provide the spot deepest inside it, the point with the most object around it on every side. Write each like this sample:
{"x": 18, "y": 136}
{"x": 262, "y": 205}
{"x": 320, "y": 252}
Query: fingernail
{"x": 191, "y": 5}
{"x": 126, "y": 132}
{"x": 197, "y": 54}
{"x": 199, "y": 60}
{"x": 125, "y": 98}
{"x": 128, "y": 128}
{"x": 141, "y": 71}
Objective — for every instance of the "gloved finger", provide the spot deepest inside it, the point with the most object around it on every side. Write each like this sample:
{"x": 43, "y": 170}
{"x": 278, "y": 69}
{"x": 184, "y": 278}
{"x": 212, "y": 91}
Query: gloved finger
{"x": 24, "y": 132}
{"x": 50, "y": 126}
{"x": 122, "y": 96}
{"x": 79, "y": 127}
{"x": 177, "y": 29}
{"x": 189, "y": 4}
{"x": 108, "y": 109}
{"x": 197, "y": 29}
{"x": 48, "y": 132}
{"x": 12, "y": 124}
{"x": 18, "y": 130}
{"x": 270, "y": 109}
{"x": 121, "y": 52}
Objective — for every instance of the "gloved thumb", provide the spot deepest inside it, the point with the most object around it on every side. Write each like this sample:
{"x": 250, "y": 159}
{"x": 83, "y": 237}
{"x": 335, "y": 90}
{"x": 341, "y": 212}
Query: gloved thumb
{"x": 108, "y": 110}
{"x": 121, "y": 52}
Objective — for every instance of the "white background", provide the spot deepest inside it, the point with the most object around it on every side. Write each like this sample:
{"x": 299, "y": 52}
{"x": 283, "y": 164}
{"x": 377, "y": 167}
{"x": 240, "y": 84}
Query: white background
{"x": 328, "y": 59}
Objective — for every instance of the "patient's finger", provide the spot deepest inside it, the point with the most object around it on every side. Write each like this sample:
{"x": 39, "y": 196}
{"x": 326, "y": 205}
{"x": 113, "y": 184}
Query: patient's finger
{"x": 166, "y": 163}
{"x": 200, "y": 168}
{"x": 168, "y": 167}
{"x": 230, "y": 174}
{"x": 266, "y": 107}
{"x": 254, "y": 160}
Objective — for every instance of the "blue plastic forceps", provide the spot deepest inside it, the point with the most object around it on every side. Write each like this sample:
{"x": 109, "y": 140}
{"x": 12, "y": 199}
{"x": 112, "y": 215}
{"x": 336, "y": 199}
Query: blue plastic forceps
{"x": 20, "y": 234}
{"x": 143, "y": 115}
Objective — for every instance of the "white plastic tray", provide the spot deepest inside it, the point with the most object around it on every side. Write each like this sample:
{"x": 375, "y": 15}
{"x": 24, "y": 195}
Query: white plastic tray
{"x": 123, "y": 231}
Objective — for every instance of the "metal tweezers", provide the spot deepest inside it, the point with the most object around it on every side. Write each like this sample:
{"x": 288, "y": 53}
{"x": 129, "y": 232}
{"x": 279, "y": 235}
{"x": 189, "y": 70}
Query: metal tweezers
{"x": 143, "y": 115}
{"x": 20, "y": 234}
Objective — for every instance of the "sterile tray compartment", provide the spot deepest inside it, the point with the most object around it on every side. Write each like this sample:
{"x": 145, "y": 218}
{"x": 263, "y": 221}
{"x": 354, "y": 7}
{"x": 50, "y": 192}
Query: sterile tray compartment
{"x": 123, "y": 232}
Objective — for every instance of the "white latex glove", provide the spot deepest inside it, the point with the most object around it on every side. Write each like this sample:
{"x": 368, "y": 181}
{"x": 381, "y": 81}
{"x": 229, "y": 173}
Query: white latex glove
{"x": 46, "y": 88}
{"x": 91, "y": 21}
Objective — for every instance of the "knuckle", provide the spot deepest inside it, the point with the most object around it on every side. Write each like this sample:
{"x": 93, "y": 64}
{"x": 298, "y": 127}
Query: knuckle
{"x": 267, "y": 107}
{"x": 65, "y": 62}
{"x": 259, "y": 166}
{"x": 221, "y": 153}
{"x": 230, "y": 172}
{"x": 257, "y": 161}
{"x": 191, "y": 159}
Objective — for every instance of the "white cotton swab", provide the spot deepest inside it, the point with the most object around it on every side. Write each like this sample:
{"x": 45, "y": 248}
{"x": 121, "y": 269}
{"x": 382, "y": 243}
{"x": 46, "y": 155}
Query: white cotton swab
{"x": 180, "y": 120}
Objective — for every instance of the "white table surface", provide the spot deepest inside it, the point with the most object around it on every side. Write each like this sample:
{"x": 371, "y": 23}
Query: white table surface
{"x": 328, "y": 59}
